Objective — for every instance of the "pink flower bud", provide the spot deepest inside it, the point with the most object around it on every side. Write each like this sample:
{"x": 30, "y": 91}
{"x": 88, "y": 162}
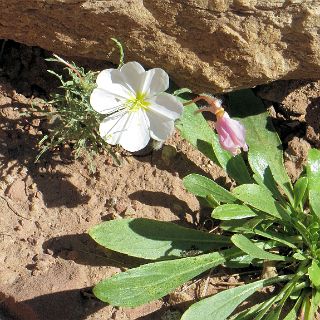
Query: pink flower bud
{"x": 231, "y": 133}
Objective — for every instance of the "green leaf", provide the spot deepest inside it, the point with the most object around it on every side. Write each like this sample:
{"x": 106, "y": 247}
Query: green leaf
{"x": 243, "y": 261}
{"x": 152, "y": 281}
{"x": 299, "y": 256}
{"x": 314, "y": 272}
{"x": 314, "y": 199}
{"x": 151, "y": 239}
{"x": 313, "y": 169}
{"x": 247, "y": 314}
{"x": 305, "y": 308}
{"x": 277, "y": 236}
{"x": 315, "y": 302}
{"x": 180, "y": 91}
{"x": 299, "y": 190}
{"x": 210, "y": 201}
{"x": 196, "y": 130}
{"x": 221, "y": 305}
{"x": 204, "y": 187}
{"x": 285, "y": 293}
{"x": 232, "y": 212}
{"x": 121, "y": 52}
{"x": 293, "y": 314}
{"x": 257, "y": 197}
{"x": 265, "y": 148}
{"x": 253, "y": 250}
{"x": 246, "y": 227}
{"x": 313, "y": 174}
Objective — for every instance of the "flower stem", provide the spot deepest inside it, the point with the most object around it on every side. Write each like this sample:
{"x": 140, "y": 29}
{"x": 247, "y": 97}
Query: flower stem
{"x": 214, "y": 105}
{"x": 69, "y": 66}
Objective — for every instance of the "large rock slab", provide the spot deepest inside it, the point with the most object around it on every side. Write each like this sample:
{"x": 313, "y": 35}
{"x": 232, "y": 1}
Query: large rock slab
{"x": 206, "y": 45}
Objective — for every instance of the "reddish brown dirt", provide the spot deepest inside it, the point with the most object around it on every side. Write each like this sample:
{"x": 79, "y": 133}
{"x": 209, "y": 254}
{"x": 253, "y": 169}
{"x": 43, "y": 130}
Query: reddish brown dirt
{"x": 47, "y": 261}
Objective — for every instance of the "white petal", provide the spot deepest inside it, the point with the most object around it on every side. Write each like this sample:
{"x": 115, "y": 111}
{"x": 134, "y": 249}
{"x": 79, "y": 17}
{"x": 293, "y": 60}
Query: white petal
{"x": 118, "y": 91}
{"x": 131, "y": 74}
{"x": 109, "y": 77}
{"x": 160, "y": 127}
{"x": 132, "y": 68}
{"x": 112, "y": 81}
{"x": 104, "y": 78}
{"x": 112, "y": 127}
{"x": 167, "y": 105}
{"x": 102, "y": 102}
{"x": 154, "y": 81}
{"x": 130, "y": 130}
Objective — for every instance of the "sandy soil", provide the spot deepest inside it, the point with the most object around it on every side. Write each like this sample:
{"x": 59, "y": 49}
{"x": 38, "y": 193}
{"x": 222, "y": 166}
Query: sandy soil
{"x": 47, "y": 261}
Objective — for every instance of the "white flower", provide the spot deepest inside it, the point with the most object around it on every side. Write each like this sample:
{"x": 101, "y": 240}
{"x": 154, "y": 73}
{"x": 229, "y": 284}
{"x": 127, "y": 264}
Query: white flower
{"x": 136, "y": 106}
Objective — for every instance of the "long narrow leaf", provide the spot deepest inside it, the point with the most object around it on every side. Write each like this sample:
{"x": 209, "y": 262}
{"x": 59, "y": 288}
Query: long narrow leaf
{"x": 203, "y": 187}
{"x": 233, "y": 212}
{"x": 152, "y": 281}
{"x": 314, "y": 199}
{"x": 221, "y": 305}
{"x": 253, "y": 250}
{"x": 246, "y": 227}
{"x": 293, "y": 314}
{"x": 277, "y": 236}
{"x": 315, "y": 302}
{"x": 313, "y": 174}
{"x": 299, "y": 190}
{"x": 151, "y": 239}
{"x": 260, "y": 199}
{"x": 313, "y": 169}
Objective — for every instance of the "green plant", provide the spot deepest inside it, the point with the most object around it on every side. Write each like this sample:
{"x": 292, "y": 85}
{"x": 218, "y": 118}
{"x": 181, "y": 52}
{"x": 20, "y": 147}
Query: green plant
{"x": 73, "y": 119}
{"x": 264, "y": 219}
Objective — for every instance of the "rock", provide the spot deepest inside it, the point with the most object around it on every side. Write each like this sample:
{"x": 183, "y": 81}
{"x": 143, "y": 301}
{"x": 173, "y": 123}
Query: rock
{"x": 206, "y": 45}
{"x": 313, "y": 122}
{"x": 296, "y": 157}
{"x": 294, "y": 97}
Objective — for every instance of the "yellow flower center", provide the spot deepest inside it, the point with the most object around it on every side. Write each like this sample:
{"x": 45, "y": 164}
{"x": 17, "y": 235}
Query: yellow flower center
{"x": 137, "y": 102}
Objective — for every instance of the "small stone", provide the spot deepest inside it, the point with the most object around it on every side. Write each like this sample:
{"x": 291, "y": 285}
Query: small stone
{"x": 111, "y": 202}
{"x": 5, "y": 101}
{"x": 296, "y": 156}
{"x": 130, "y": 212}
{"x": 269, "y": 270}
{"x": 37, "y": 224}
{"x": 17, "y": 228}
{"x": 178, "y": 297}
{"x": 49, "y": 252}
{"x": 120, "y": 207}
{"x": 35, "y": 122}
{"x": 135, "y": 205}
{"x": 32, "y": 241}
{"x": 232, "y": 280}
